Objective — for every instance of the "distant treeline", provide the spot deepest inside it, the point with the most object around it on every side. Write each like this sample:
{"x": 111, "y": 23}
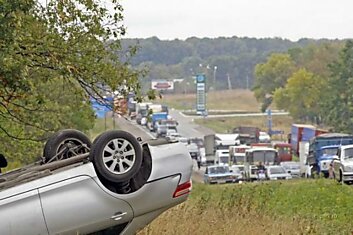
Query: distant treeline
{"x": 221, "y": 59}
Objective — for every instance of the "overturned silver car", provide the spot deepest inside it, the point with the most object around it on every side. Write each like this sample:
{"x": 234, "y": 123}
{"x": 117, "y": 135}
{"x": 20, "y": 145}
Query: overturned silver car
{"x": 115, "y": 184}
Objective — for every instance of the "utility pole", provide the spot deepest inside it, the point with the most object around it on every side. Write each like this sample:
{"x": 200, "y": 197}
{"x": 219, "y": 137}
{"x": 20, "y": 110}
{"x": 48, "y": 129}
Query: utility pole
{"x": 247, "y": 82}
{"x": 229, "y": 83}
{"x": 214, "y": 74}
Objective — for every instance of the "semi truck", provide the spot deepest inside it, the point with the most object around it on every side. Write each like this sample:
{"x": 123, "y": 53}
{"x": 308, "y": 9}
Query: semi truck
{"x": 154, "y": 117}
{"x": 322, "y": 151}
{"x": 303, "y": 133}
{"x": 141, "y": 112}
{"x": 247, "y": 134}
{"x": 215, "y": 142}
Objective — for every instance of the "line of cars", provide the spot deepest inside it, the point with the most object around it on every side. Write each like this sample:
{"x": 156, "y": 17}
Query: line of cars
{"x": 255, "y": 162}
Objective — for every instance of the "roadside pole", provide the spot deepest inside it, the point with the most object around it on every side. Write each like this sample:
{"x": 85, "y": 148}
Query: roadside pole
{"x": 201, "y": 94}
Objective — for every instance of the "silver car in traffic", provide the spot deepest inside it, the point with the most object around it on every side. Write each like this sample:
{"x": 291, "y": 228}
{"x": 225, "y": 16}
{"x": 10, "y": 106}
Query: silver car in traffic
{"x": 117, "y": 184}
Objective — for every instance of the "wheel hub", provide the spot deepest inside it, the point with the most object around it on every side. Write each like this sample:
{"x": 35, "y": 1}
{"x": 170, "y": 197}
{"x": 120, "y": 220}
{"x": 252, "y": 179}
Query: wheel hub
{"x": 119, "y": 156}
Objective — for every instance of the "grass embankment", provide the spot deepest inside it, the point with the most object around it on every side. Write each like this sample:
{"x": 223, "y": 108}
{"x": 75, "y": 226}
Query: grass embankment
{"x": 295, "y": 207}
{"x": 237, "y": 100}
{"x": 222, "y": 125}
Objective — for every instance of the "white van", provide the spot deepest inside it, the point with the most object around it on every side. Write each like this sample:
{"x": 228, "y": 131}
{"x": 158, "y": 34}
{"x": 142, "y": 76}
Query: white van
{"x": 222, "y": 157}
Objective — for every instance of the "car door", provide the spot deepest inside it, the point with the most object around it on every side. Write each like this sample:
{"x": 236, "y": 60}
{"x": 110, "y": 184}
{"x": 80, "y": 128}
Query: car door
{"x": 21, "y": 213}
{"x": 79, "y": 206}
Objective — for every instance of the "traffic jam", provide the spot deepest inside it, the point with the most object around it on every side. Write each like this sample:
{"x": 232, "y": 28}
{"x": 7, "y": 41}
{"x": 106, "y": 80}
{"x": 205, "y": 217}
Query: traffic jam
{"x": 248, "y": 154}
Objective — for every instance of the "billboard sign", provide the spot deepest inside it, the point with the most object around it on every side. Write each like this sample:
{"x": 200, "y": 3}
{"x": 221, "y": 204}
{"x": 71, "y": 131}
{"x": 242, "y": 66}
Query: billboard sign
{"x": 162, "y": 85}
{"x": 200, "y": 93}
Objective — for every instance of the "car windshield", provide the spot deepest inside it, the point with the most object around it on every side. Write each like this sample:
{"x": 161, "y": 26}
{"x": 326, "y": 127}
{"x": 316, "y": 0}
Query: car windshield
{"x": 277, "y": 170}
{"x": 264, "y": 156}
{"x": 329, "y": 151}
{"x": 223, "y": 159}
{"x": 218, "y": 170}
{"x": 143, "y": 113}
{"x": 238, "y": 159}
{"x": 283, "y": 150}
{"x": 348, "y": 154}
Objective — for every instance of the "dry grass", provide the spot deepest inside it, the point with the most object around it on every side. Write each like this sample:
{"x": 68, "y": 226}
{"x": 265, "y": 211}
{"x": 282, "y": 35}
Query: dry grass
{"x": 241, "y": 100}
{"x": 222, "y": 125}
{"x": 189, "y": 219}
{"x": 293, "y": 207}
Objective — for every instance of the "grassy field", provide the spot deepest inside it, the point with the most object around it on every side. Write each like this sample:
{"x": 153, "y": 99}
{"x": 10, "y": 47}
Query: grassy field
{"x": 230, "y": 100}
{"x": 295, "y": 207}
{"x": 222, "y": 125}
{"x": 241, "y": 100}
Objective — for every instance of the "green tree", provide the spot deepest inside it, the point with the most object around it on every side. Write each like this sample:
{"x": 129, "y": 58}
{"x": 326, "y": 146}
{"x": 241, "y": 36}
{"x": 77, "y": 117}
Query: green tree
{"x": 339, "y": 105}
{"x": 272, "y": 75}
{"x": 302, "y": 95}
{"x": 52, "y": 58}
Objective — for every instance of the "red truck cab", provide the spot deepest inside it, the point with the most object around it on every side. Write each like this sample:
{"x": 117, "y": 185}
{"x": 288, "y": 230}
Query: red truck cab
{"x": 284, "y": 151}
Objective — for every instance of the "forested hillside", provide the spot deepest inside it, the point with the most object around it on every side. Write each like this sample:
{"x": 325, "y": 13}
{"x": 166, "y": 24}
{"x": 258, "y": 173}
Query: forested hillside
{"x": 219, "y": 58}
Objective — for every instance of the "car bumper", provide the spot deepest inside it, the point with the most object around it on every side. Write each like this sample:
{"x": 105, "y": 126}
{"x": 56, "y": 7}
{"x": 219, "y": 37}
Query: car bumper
{"x": 347, "y": 176}
{"x": 222, "y": 181}
{"x": 280, "y": 178}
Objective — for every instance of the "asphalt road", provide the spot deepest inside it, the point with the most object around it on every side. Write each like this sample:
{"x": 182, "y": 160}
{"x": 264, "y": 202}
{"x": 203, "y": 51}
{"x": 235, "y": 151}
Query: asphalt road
{"x": 186, "y": 128}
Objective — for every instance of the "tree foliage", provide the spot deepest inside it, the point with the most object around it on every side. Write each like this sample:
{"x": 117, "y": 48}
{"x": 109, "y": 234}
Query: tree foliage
{"x": 52, "y": 59}
{"x": 301, "y": 96}
{"x": 339, "y": 104}
{"x": 271, "y": 75}
{"x": 234, "y": 57}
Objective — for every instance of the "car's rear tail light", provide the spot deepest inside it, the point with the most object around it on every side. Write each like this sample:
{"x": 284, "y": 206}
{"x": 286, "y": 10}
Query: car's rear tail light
{"x": 183, "y": 189}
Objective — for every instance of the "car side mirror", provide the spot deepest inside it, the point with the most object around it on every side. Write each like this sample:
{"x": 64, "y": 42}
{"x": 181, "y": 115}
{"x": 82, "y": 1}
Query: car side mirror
{"x": 3, "y": 161}
{"x": 230, "y": 171}
{"x": 289, "y": 172}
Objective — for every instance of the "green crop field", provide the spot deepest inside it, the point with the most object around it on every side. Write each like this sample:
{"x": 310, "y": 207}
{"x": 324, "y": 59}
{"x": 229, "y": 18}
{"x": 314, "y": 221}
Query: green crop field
{"x": 294, "y": 207}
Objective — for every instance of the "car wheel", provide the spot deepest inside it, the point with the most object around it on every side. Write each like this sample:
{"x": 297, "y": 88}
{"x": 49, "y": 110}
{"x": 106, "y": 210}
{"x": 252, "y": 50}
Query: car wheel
{"x": 116, "y": 155}
{"x": 340, "y": 179}
{"x": 65, "y": 144}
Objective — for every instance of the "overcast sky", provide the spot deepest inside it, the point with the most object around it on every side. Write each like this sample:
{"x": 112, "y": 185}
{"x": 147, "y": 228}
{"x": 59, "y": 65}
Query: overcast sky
{"x": 291, "y": 19}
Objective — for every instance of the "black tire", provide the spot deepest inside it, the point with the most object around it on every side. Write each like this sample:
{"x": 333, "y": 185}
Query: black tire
{"x": 69, "y": 142}
{"x": 116, "y": 165}
{"x": 340, "y": 179}
{"x": 144, "y": 173}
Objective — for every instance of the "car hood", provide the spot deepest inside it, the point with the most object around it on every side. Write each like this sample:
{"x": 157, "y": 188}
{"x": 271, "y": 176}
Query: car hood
{"x": 347, "y": 163}
{"x": 326, "y": 157}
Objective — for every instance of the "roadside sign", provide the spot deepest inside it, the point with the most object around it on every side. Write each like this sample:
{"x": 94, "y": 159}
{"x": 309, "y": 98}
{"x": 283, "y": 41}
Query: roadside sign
{"x": 162, "y": 85}
{"x": 275, "y": 132}
{"x": 200, "y": 93}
